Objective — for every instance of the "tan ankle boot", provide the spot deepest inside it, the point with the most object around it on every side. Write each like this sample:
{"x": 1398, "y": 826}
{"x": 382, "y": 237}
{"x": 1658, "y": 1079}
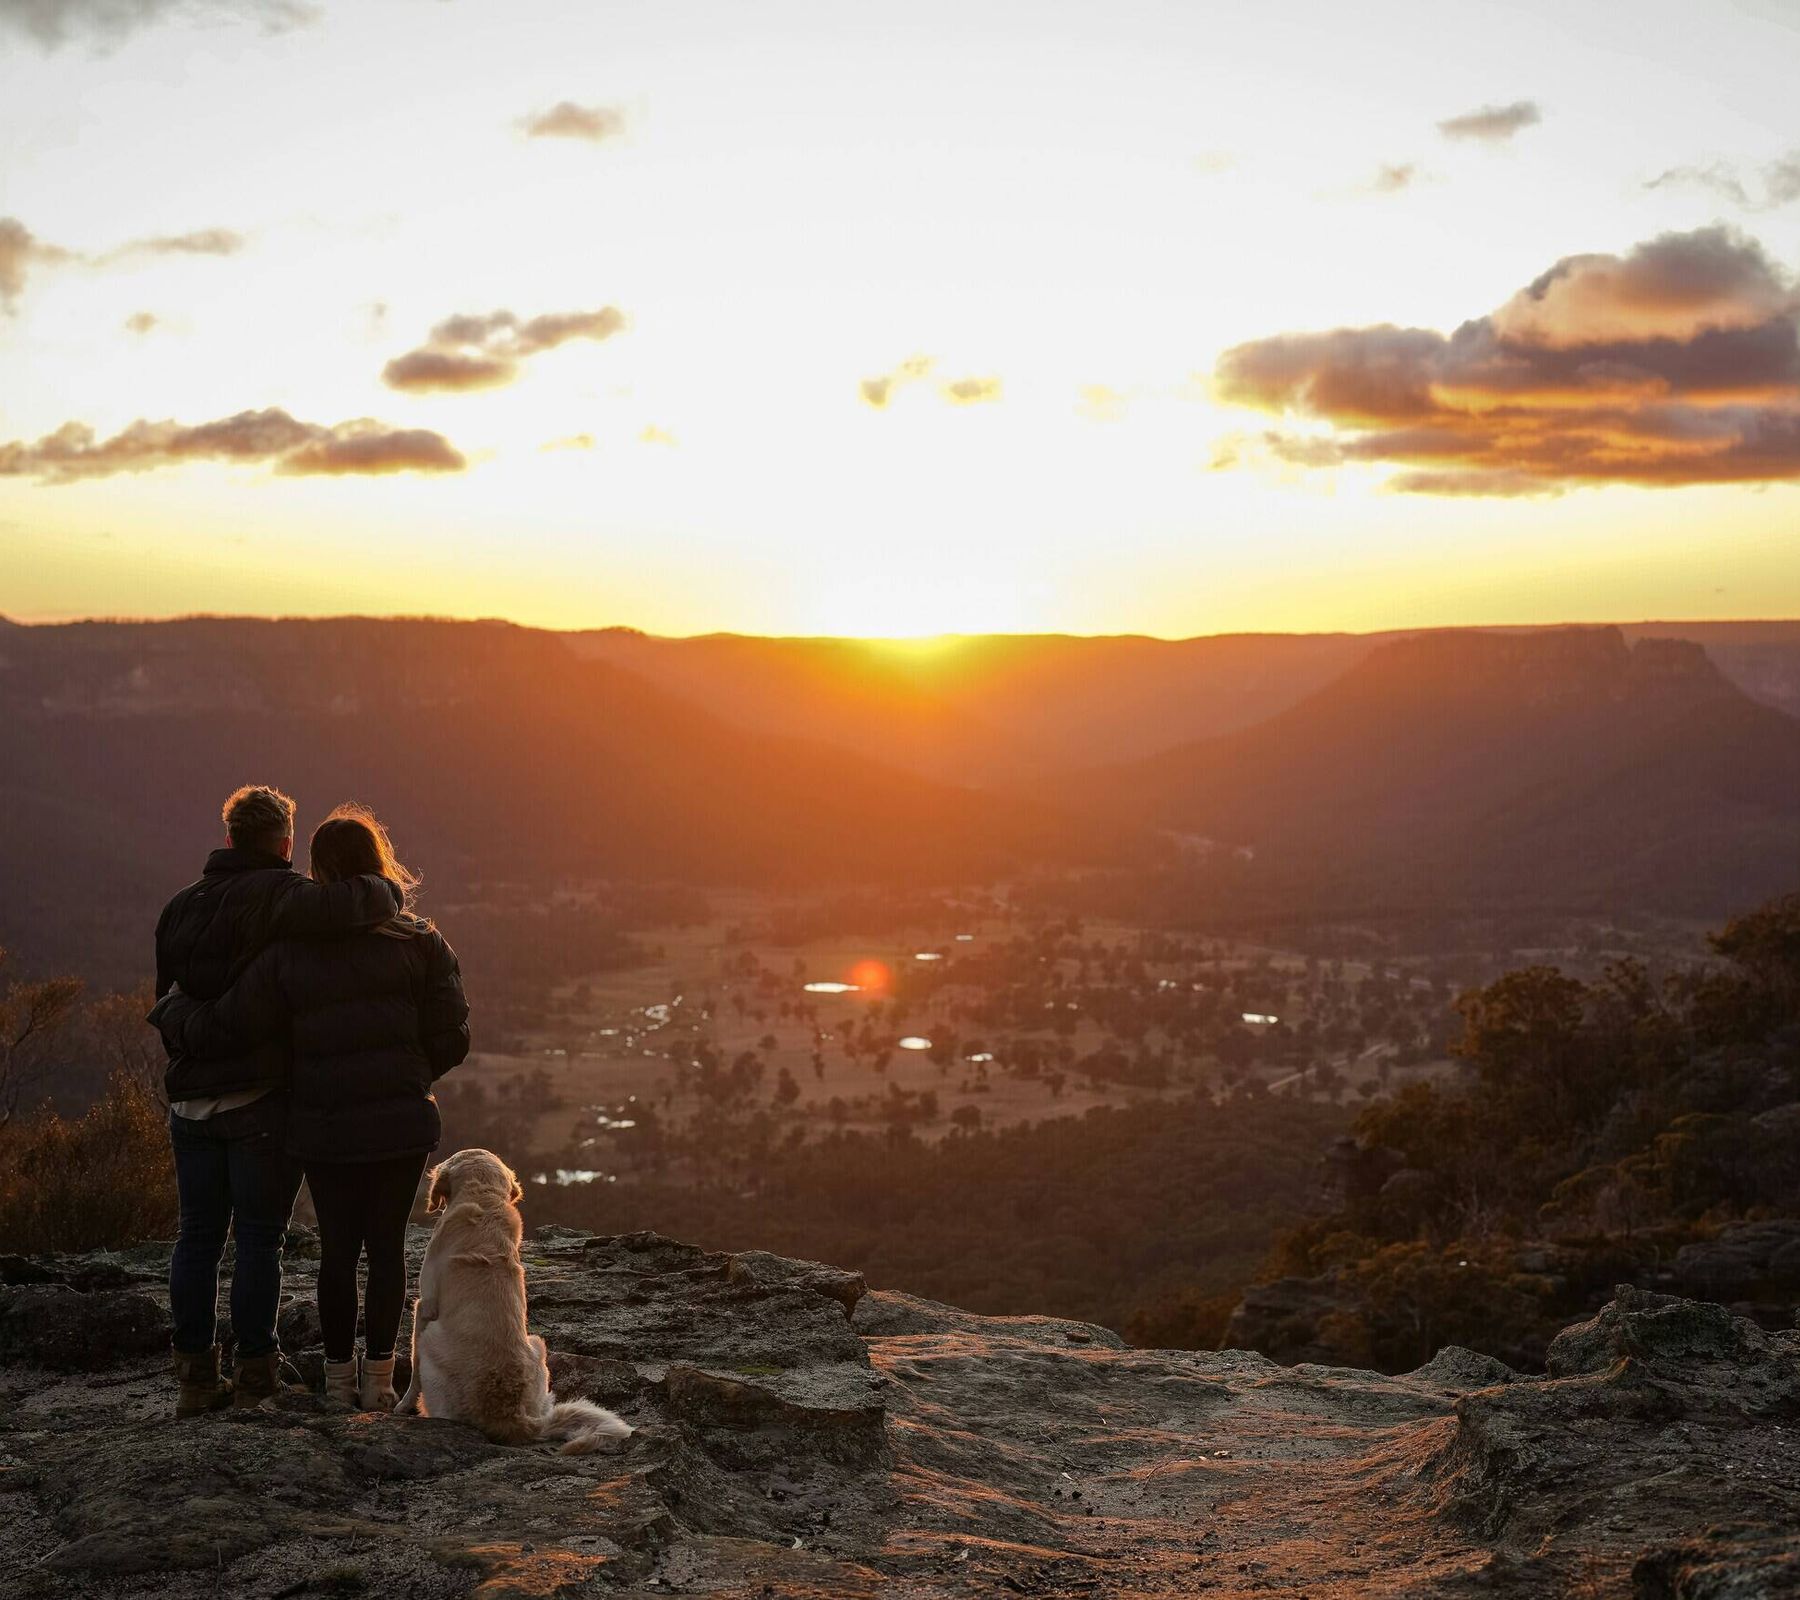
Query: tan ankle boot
{"x": 257, "y": 1380}
{"x": 340, "y": 1386}
{"x": 377, "y": 1392}
{"x": 202, "y": 1389}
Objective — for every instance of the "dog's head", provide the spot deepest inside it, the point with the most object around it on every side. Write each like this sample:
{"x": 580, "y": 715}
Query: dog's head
{"x": 470, "y": 1174}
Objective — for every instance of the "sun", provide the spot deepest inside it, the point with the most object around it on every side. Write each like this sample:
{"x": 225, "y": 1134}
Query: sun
{"x": 917, "y": 606}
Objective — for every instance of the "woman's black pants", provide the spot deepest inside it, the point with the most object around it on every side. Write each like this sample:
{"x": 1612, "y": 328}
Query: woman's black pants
{"x": 362, "y": 1208}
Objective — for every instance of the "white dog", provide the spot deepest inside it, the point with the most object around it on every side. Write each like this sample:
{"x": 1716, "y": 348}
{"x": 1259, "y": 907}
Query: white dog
{"x": 472, "y": 1360}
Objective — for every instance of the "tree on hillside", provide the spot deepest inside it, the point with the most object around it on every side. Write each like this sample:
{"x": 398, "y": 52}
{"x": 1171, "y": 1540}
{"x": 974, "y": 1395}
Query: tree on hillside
{"x": 33, "y": 1017}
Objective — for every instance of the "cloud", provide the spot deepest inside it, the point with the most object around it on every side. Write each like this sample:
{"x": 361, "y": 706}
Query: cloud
{"x": 202, "y": 242}
{"x": 567, "y": 120}
{"x": 141, "y": 322}
{"x": 1492, "y": 124}
{"x": 1778, "y": 181}
{"x": 573, "y": 441}
{"x": 1391, "y": 179}
{"x": 264, "y": 438}
{"x": 104, "y": 23}
{"x": 1675, "y": 363}
{"x": 652, "y": 434}
{"x": 451, "y": 371}
{"x": 1100, "y": 402}
{"x": 878, "y": 391}
{"x": 467, "y": 352}
{"x": 970, "y": 391}
{"x": 21, "y": 251}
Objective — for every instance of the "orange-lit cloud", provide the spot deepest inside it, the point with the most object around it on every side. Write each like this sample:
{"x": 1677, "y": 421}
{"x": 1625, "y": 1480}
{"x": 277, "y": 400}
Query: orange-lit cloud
{"x": 572, "y": 441}
{"x": 272, "y": 438}
{"x": 970, "y": 391}
{"x": 1100, "y": 402}
{"x": 141, "y": 322}
{"x": 878, "y": 391}
{"x": 567, "y": 120}
{"x": 1392, "y": 178}
{"x": 1492, "y": 124}
{"x": 21, "y": 251}
{"x": 1676, "y": 363}
{"x": 484, "y": 352}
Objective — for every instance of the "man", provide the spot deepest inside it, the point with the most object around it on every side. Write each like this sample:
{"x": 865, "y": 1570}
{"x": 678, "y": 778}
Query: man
{"x": 227, "y": 1115}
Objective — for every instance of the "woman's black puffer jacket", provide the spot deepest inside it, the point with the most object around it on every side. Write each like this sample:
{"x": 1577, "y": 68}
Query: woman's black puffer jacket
{"x": 376, "y": 1018}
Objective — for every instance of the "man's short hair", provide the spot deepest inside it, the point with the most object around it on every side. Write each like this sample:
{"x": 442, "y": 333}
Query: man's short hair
{"x": 258, "y": 817}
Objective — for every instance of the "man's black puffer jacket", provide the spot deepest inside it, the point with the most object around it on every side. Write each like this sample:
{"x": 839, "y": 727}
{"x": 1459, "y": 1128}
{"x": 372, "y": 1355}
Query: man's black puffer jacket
{"x": 209, "y": 931}
{"x": 376, "y": 1018}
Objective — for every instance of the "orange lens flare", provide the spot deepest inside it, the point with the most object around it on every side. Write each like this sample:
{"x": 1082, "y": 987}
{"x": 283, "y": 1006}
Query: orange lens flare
{"x": 872, "y": 977}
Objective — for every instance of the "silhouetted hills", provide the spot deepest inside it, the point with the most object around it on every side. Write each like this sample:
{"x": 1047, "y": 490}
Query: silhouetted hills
{"x": 1565, "y": 768}
{"x": 495, "y": 753}
{"x": 994, "y": 708}
{"x": 1010, "y": 708}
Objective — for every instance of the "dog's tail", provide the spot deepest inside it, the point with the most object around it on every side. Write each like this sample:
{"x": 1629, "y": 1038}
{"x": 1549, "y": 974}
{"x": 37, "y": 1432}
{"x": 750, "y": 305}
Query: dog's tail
{"x": 581, "y": 1425}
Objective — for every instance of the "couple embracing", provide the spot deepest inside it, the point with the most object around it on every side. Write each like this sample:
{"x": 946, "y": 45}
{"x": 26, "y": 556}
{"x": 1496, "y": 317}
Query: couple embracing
{"x": 306, "y": 1019}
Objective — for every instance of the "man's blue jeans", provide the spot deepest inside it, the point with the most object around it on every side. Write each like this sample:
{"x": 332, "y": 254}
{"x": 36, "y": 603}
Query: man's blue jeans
{"x": 232, "y": 1171}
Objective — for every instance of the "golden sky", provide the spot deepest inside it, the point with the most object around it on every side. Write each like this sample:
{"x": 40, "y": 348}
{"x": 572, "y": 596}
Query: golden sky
{"x": 835, "y": 317}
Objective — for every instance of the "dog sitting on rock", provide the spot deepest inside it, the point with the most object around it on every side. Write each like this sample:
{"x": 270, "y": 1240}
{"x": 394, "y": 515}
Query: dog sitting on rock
{"x": 472, "y": 1360}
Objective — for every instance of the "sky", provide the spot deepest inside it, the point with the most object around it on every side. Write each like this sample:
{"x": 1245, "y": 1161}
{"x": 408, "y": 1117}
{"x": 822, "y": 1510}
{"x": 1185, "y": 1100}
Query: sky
{"x": 777, "y": 317}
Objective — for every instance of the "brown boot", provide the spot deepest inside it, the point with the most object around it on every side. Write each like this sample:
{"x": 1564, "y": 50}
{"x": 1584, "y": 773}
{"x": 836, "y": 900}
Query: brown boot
{"x": 202, "y": 1389}
{"x": 258, "y": 1380}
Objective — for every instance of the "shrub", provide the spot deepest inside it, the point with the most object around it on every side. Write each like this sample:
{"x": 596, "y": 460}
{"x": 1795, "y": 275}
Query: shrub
{"x": 98, "y": 1181}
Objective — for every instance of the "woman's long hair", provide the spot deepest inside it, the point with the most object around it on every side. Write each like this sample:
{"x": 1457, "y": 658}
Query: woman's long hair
{"x": 351, "y": 842}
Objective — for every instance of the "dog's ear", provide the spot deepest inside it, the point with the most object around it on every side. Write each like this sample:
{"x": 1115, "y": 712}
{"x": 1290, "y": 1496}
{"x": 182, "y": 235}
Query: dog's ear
{"x": 517, "y": 1194}
{"x": 439, "y": 1193}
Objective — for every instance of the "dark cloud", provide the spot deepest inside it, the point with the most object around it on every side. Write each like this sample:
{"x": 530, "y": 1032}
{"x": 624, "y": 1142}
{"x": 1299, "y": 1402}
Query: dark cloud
{"x": 1676, "y": 363}
{"x": 103, "y": 23}
{"x": 484, "y": 351}
{"x": 271, "y": 438}
{"x": 1777, "y": 182}
{"x": 21, "y": 250}
{"x": 1492, "y": 124}
{"x": 567, "y": 120}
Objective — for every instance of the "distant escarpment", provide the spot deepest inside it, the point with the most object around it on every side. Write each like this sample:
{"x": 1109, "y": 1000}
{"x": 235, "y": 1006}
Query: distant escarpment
{"x": 1562, "y": 769}
{"x": 801, "y": 1436}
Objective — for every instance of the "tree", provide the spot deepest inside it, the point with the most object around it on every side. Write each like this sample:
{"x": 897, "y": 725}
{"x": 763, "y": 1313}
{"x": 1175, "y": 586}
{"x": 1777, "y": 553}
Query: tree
{"x": 33, "y": 1016}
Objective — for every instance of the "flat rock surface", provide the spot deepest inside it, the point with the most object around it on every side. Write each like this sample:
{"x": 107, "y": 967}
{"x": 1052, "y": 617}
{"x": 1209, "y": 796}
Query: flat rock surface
{"x": 798, "y": 1436}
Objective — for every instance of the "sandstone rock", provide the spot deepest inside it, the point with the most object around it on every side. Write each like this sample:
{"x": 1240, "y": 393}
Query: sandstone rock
{"x": 785, "y": 1450}
{"x": 51, "y": 1325}
{"x": 1281, "y": 1318}
{"x": 1740, "y": 1258}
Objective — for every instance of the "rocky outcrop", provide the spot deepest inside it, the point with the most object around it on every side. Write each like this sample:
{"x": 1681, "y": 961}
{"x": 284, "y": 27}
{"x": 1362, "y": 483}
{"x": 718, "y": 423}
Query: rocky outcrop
{"x": 801, "y": 1436}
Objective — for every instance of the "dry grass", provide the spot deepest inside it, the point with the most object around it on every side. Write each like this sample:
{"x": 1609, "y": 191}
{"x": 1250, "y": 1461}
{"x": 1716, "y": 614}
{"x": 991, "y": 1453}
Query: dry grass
{"x": 98, "y": 1181}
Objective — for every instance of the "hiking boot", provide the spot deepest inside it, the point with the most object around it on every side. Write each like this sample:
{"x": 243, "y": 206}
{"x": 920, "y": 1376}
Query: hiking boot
{"x": 258, "y": 1380}
{"x": 202, "y": 1389}
{"x": 377, "y": 1391}
{"x": 340, "y": 1386}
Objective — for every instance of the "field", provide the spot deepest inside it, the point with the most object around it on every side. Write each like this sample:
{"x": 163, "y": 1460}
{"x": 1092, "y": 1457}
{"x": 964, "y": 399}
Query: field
{"x": 990, "y": 1021}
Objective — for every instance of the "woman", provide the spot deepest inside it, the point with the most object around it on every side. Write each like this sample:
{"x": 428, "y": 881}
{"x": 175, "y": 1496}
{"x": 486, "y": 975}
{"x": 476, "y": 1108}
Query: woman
{"x": 376, "y": 1018}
